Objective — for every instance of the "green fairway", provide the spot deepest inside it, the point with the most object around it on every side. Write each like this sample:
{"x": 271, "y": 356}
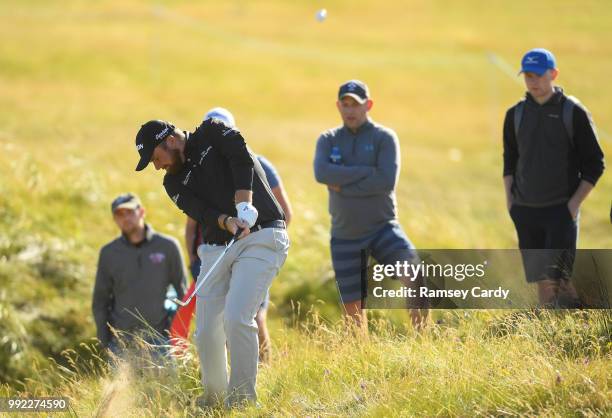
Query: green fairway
{"x": 78, "y": 78}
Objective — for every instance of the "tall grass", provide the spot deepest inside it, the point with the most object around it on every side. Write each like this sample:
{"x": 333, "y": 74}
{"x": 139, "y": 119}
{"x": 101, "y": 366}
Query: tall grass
{"x": 468, "y": 364}
{"x": 77, "y": 78}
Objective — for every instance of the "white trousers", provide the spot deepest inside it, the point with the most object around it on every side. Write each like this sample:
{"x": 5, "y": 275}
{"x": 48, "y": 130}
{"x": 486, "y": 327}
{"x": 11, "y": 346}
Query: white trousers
{"x": 226, "y": 308}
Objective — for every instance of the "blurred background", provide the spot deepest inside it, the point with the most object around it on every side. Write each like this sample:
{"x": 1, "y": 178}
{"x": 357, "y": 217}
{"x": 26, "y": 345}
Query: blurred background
{"x": 78, "y": 78}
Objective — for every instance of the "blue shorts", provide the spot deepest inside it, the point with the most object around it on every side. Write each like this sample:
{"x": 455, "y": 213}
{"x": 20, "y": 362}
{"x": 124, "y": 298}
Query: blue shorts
{"x": 387, "y": 246}
{"x": 547, "y": 239}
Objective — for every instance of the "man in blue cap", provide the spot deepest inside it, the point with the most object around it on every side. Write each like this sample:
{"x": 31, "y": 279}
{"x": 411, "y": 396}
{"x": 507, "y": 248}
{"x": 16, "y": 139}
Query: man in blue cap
{"x": 552, "y": 161}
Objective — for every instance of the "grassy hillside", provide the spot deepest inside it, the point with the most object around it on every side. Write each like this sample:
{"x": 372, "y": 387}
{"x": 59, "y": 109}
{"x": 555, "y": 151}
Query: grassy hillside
{"x": 77, "y": 79}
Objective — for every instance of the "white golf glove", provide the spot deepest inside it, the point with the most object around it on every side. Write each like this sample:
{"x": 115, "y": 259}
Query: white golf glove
{"x": 247, "y": 212}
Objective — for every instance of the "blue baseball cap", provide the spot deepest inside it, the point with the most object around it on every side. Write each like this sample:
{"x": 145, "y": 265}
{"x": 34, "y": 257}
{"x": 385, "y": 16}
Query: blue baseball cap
{"x": 538, "y": 61}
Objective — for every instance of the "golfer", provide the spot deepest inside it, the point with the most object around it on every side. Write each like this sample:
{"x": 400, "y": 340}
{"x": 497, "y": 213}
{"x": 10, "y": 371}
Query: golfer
{"x": 552, "y": 161}
{"x": 213, "y": 177}
{"x": 193, "y": 239}
{"x": 360, "y": 162}
{"x": 134, "y": 272}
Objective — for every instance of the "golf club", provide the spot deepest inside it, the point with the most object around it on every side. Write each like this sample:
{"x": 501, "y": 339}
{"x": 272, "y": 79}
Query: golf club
{"x": 195, "y": 291}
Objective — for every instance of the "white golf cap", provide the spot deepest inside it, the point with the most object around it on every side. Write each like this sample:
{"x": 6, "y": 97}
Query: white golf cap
{"x": 222, "y": 114}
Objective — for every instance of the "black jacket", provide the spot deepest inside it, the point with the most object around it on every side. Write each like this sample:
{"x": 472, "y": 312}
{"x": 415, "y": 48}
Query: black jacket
{"x": 217, "y": 163}
{"x": 547, "y": 167}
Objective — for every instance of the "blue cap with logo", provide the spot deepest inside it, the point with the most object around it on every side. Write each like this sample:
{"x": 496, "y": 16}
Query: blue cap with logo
{"x": 538, "y": 60}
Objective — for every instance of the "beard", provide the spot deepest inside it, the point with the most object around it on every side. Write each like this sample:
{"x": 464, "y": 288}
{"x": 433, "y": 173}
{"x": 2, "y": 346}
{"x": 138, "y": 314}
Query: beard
{"x": 177, "y": 164}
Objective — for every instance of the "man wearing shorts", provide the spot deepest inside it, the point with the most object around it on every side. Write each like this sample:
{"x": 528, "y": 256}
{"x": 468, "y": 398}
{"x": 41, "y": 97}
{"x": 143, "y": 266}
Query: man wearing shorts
{"x": 359, "y": 162}
{"x": 552, "y": 161}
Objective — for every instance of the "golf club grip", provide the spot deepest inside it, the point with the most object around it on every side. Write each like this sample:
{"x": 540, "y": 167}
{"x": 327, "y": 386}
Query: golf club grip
{"x": 238, "y": 232}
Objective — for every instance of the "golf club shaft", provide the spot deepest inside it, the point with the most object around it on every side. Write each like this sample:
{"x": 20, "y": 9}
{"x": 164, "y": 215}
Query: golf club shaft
{"x": 199, "y": 285}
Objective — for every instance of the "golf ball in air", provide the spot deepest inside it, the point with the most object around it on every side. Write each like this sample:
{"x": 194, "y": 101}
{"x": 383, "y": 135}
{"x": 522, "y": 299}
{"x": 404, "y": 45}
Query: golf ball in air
{"x": 321, "y": 15}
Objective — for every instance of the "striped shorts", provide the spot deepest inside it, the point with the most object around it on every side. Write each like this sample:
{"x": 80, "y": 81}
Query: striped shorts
{"x": 387, "y": 246}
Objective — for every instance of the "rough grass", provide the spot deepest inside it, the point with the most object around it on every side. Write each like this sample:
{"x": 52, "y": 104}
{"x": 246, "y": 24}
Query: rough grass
{"x": 77, "y": 78}
{"x": 468, "y": 364}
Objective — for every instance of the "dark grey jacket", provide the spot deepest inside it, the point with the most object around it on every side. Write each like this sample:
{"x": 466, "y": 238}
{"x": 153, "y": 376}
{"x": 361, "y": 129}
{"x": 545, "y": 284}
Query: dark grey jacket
{"x": 547, "y": 167}
{"x": 132, "y": 281}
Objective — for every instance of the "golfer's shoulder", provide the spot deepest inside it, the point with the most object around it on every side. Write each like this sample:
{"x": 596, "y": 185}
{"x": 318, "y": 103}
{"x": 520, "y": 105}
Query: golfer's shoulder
{"x": 213, "y": 129}
{"x": 199, "y": 139}
{"x": 207, "y": 127}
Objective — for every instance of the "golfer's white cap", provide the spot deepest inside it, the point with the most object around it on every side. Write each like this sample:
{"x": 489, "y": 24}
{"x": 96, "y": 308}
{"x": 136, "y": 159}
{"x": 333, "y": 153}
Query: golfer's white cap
{"x": 223, "y": 114}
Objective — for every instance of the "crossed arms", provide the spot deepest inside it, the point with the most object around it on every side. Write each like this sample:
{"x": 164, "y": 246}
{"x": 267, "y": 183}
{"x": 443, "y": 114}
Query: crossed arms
{"x": 358, "y": 180}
